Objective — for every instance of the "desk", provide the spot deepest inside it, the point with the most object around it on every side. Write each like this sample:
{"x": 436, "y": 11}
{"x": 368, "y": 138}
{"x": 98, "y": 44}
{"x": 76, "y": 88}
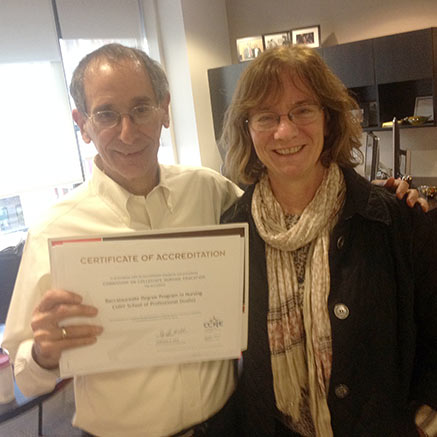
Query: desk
{"x": 21, "y": 404}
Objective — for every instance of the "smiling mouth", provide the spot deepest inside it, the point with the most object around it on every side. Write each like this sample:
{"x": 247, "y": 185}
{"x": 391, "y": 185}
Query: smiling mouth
{"x": 289, "y": 150}
{"x": 127, "y": 154}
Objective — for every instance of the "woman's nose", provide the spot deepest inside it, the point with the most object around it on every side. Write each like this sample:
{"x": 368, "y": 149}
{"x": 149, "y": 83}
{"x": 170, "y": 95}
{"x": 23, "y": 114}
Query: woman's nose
{"x": 286, "y": 127}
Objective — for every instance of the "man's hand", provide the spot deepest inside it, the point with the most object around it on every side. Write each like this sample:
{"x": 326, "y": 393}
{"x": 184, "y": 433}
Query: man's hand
{"x": 49, "y": 338}
{"x": 421, "y": 433}
{"x": 402, "y": 188}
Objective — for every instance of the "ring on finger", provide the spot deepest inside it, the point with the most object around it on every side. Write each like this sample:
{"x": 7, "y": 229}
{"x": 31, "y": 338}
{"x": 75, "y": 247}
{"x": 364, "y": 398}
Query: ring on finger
{"x": 408, "y": 179}
{"x": 64, "y": 333}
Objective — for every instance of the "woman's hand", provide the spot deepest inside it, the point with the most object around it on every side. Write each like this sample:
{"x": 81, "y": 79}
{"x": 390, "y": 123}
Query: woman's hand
{"x": 402, "y": 188}
{"x": 50, "y": 339}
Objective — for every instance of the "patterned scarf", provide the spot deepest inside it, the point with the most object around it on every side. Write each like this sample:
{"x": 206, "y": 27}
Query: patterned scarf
{"x": 300, "y": 335}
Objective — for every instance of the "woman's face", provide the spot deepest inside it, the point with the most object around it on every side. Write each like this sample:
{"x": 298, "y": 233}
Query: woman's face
{"x": 291, "y": 152}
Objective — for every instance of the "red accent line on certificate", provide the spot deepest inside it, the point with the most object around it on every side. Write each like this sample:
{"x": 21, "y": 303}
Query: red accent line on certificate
{"x": 82, "y": 240}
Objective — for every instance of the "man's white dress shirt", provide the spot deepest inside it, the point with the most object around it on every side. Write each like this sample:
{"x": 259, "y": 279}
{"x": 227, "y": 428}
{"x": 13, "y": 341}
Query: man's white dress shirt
{"x": 157, "y": 401}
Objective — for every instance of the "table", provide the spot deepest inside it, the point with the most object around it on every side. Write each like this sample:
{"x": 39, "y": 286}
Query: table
{"x": 21, "y": 404}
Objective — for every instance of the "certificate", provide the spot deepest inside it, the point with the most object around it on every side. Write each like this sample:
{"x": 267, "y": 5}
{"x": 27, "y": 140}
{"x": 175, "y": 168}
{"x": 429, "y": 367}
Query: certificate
{"x": 163, "y": 297}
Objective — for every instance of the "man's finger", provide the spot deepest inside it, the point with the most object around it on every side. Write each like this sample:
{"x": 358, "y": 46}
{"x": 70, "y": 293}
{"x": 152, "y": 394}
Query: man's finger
{"x": 52, "y": 298}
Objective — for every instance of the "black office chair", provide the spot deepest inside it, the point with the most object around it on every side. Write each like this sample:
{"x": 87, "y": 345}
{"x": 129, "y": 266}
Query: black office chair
{"x": 9, "y": 262}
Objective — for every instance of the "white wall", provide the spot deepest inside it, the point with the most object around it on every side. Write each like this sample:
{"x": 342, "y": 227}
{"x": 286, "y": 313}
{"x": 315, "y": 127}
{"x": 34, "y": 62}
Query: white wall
{"x": 343, "y": 21}
{"x": 207, "y": 41}
{"x": 192, "y": 36}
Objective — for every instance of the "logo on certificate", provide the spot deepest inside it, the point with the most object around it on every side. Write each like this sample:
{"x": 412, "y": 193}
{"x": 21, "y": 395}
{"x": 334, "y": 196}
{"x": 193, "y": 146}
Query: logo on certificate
{"x": 213, "y": 328}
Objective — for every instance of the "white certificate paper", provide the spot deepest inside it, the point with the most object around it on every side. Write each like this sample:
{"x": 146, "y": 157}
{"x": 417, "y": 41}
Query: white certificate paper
{"x": 164, "y": 297}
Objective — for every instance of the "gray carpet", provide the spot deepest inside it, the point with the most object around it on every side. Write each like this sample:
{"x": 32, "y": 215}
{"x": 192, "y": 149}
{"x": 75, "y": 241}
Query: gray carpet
{"x": 57, "y": 414}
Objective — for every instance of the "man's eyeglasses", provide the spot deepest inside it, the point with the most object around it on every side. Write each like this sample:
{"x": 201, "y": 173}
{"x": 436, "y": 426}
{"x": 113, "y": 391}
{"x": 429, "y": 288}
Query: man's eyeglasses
{"x": 268, "y": 121}
{"x": 140, "y": 115}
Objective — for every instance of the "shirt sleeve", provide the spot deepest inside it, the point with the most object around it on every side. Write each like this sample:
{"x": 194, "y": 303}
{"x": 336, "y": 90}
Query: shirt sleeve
{"x": 32, "y": 379}
{"x": 32, "y": 281}
{"x": 233, "y": 192}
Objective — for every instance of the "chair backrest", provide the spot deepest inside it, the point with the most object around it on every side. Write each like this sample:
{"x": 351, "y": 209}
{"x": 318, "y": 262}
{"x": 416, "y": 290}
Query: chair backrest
{"x": 9, "y": 262}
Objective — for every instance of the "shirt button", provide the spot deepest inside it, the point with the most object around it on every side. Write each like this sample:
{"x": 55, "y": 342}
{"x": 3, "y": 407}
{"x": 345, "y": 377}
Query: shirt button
{"x": 341, "y": 311}
{"x": 341, "y": 391}
{"x": 340, "y": 242}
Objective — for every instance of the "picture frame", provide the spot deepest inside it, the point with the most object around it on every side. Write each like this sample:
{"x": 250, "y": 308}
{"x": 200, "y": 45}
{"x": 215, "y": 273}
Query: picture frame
{"x": 277, "y": 39}
{"x": 424, "y": 107}
{"x": 249, "y": 48}
{"x": 308, "y": 36}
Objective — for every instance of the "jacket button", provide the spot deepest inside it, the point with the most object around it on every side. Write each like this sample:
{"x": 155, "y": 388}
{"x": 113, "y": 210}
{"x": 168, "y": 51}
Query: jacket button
{"x": 341, "y": 391}
{"x": 340, "y": 242}
{"x": 341, "y": 311}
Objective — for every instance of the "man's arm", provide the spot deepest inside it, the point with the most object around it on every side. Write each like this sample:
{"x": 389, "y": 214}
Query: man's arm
{"x": 33, "y": 313}
{"x": 401, "y": 188}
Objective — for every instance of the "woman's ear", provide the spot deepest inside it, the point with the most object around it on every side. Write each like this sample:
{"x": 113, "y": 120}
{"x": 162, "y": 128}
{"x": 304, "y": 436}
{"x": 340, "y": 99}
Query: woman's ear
{"x": 80, "y": 119}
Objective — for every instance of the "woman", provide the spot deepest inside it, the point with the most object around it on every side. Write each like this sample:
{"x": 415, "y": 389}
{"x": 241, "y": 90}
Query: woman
{"x": 342, "y": 312}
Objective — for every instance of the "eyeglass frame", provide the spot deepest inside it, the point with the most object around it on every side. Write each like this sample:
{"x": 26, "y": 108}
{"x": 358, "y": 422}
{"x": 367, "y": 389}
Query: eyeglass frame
{"x": 279, "y": 116}
{"x": 155, "y": 110}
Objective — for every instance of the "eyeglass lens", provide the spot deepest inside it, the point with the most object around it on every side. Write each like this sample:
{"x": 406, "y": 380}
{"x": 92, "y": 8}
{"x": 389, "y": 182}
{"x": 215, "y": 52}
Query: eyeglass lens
{"x": 140, "y": 114}
{"x": 300, "y": 115}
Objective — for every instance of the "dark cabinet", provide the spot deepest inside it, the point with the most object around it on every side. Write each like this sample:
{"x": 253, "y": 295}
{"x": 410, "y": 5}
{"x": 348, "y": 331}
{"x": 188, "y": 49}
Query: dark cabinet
{"x": 404, "y": 57}
{"x": 405, "y": 68}
{"x": 222, "y": 83}
{"x": 352, "y": 63}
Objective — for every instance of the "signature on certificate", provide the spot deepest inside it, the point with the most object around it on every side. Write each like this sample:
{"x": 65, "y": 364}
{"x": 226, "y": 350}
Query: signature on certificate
{"x": 171, "y": 335}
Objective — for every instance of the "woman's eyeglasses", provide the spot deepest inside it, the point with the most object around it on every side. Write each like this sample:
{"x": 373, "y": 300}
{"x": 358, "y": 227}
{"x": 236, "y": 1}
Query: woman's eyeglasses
{"x": 300, "y": 115}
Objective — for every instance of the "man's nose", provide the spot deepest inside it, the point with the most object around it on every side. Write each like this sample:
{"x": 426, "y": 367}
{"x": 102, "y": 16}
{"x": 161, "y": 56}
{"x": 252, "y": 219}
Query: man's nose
{"x": 128, "y": 129}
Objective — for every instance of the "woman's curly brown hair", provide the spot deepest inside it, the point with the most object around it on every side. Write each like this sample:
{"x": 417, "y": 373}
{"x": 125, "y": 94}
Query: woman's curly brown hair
{"x": 261, "y": 82}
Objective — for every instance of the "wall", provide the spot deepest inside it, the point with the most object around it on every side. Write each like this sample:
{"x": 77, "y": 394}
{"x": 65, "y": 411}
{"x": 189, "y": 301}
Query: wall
{"x": 208, "y": 47}
{"x": 344, "y": 21}
{"x": 193, "y": 37}
{"x": 341, "y": 21}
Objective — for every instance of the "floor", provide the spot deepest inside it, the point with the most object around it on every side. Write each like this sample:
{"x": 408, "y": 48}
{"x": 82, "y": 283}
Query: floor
{"x": 57, "y": 414}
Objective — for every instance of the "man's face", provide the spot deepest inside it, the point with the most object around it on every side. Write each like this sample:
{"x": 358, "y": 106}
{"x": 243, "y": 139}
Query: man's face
{"x": 127, "y": 151}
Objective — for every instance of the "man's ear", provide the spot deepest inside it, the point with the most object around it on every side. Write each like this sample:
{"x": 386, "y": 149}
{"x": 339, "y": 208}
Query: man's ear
{"x": 165, "y": 105}
{"x": 80, "y": 120}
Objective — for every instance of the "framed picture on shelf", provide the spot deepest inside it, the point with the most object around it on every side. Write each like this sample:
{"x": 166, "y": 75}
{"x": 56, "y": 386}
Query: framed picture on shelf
{"x": 249, "y": 48}
{"x": 424, "y": 107}
{"x": 276, "y": 39}
{"x": 309, "y": 36}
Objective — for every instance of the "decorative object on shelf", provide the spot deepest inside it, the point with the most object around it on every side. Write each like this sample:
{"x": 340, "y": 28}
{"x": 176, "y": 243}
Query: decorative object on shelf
{"x": 428, "y": 191}
{"x": 413, "y": 120}
{"x": 417, "y": 120}
{"x": 277, "y": 39}
{"x": 423, "y": 107}
{"x": 309, "y": 36}
{"x": 249, "y": 48}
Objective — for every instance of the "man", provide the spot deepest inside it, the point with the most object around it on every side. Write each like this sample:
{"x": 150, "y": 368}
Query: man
{"x": 122, "y": 103}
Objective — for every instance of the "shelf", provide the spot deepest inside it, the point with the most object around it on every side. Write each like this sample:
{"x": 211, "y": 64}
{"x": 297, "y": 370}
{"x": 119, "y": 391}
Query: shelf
{"x": 401, "y": 126}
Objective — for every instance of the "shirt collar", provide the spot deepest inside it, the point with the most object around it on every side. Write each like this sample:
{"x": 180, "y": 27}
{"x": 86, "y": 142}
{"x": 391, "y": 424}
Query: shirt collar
{"x": 117, "y": 197}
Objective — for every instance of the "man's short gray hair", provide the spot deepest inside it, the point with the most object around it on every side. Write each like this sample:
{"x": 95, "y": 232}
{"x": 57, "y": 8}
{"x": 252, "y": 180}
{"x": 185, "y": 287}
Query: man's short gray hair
{"x": 114, "y": 53}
